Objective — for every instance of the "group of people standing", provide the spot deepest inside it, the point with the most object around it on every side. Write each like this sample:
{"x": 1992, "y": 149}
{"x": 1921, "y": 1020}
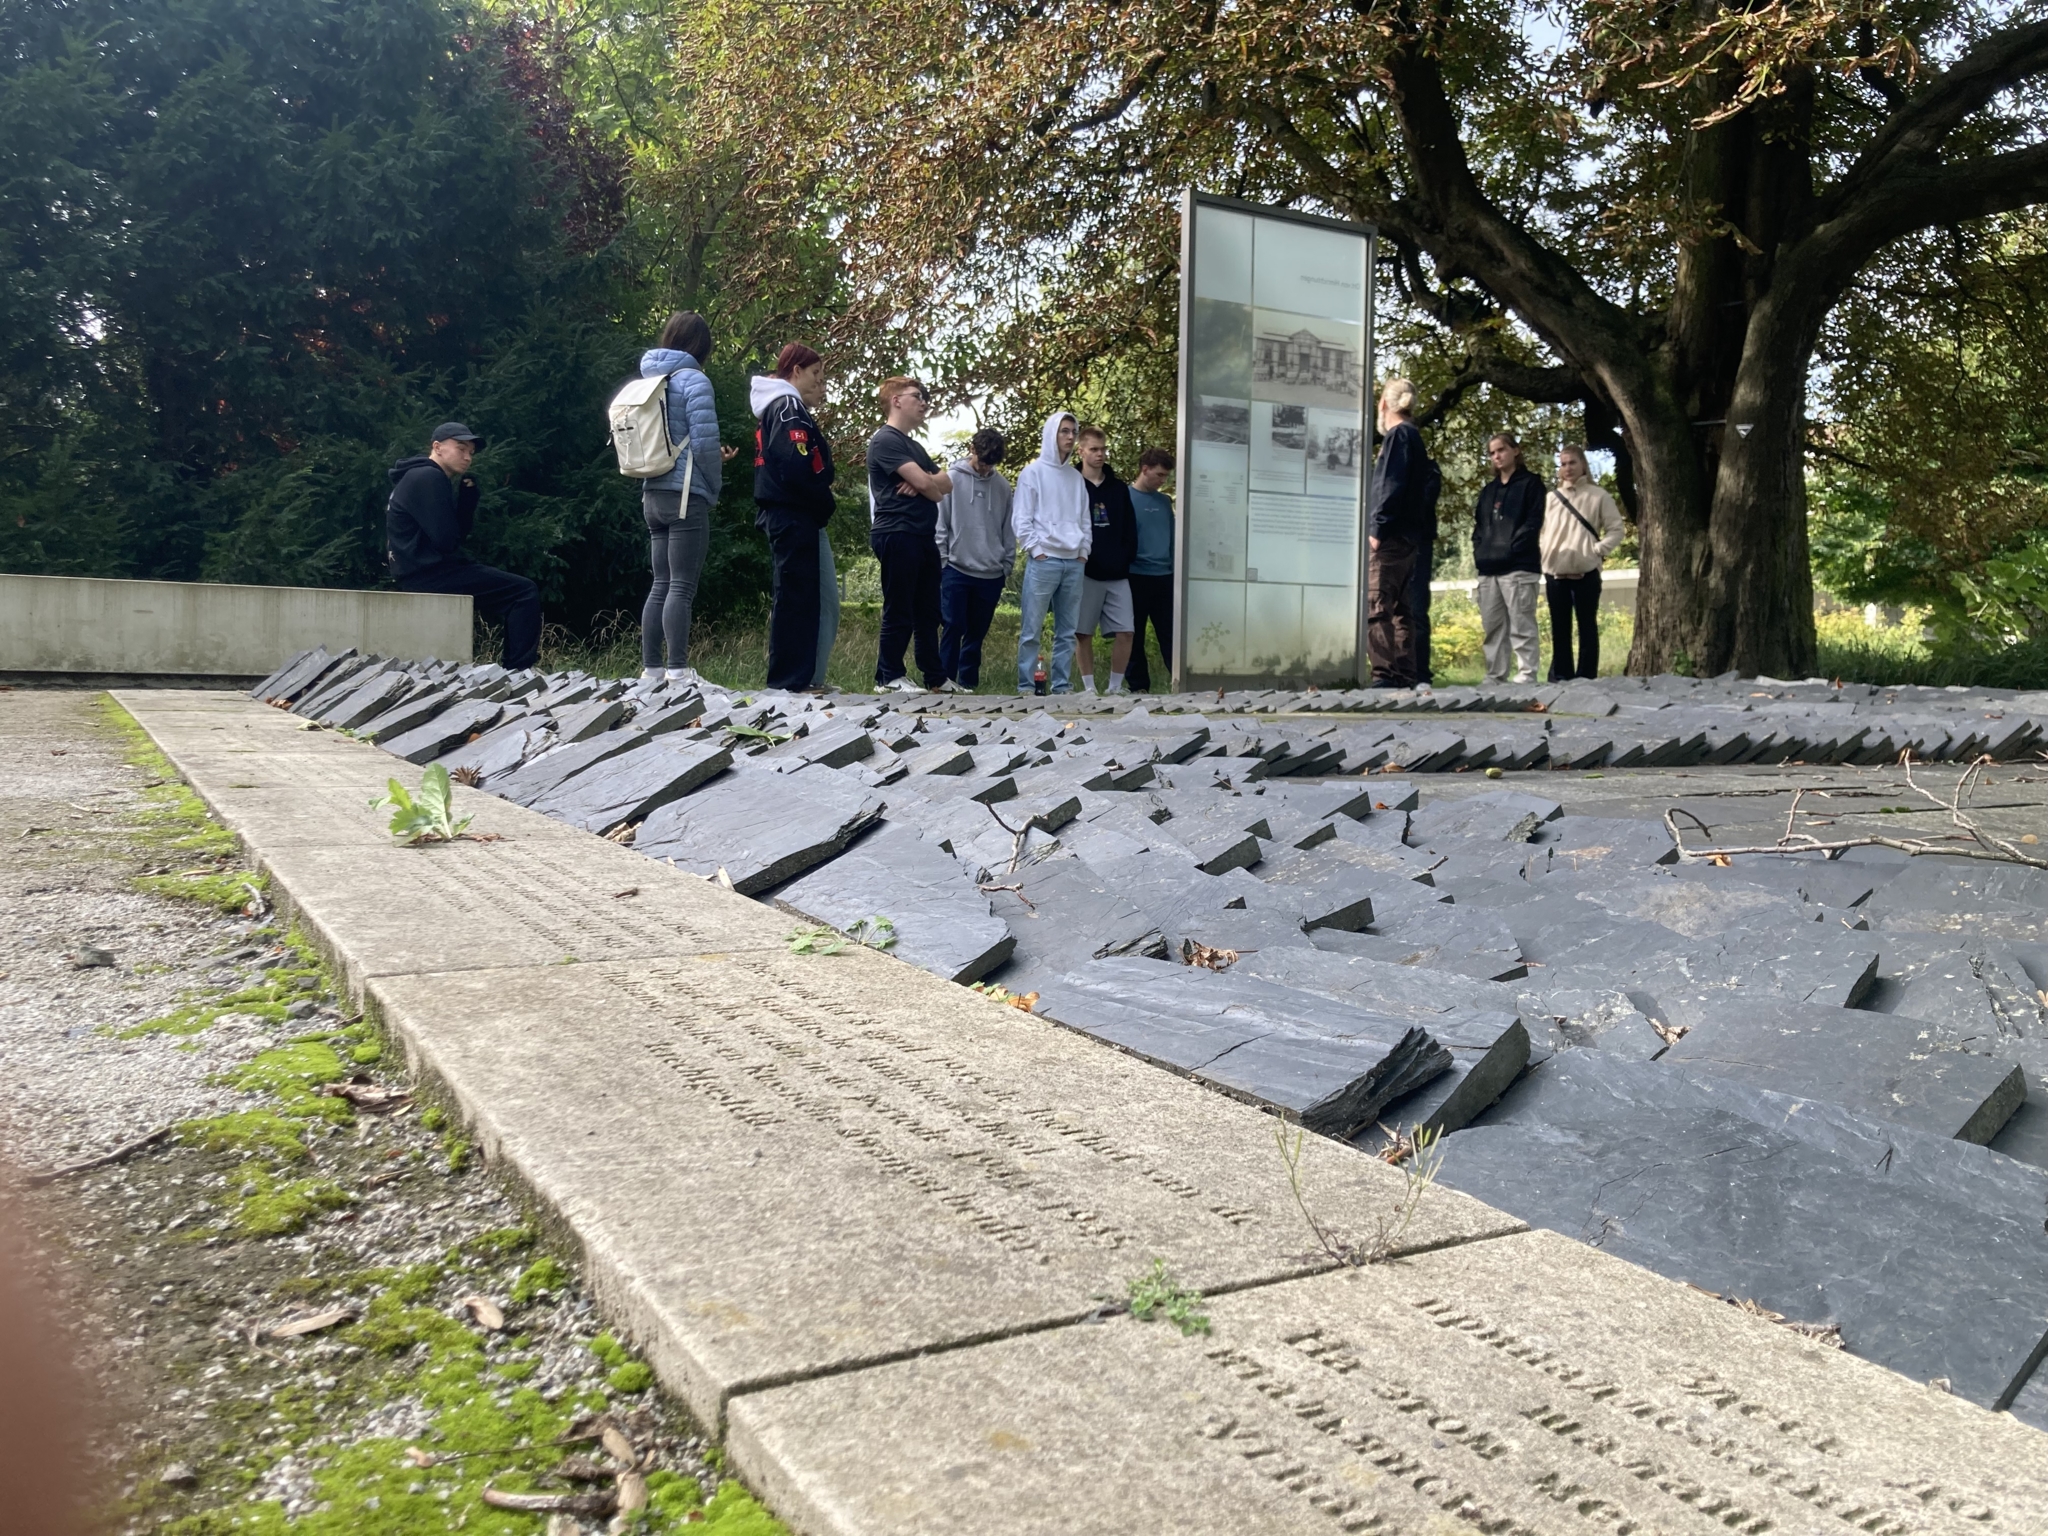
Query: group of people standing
{"x": 1098, "y": 550}
{"x": 1521, "y": 534}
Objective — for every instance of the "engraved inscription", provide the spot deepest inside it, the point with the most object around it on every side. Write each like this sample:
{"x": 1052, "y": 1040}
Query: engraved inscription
{"x": 1571, "y": 1420}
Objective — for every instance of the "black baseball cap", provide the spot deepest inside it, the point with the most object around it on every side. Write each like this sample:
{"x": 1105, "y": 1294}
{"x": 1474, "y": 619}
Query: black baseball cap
{"x": 457, "y": 431}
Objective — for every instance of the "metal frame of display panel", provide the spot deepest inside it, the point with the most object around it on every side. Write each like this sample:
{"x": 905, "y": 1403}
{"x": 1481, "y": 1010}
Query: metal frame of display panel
{"x": 1358, "y": 670}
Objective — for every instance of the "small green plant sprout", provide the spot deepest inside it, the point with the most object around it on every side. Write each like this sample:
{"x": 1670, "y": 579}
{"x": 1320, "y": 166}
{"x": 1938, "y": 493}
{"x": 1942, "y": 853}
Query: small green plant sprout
{"x": 428, "y": 817}
{"x": 1157, "y": 1294}
{"x": 816, "y": 941}
{"x": 1416, "y": 1153}
{"x": 755, "y": 733}
{"x": 874, "y": 933}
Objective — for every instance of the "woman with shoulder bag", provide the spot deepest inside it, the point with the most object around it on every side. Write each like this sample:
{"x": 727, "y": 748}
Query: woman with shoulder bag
{"x": 1581, "y": 528}
{"x": 793, "y": 476}
{"x": 679, "y": 534}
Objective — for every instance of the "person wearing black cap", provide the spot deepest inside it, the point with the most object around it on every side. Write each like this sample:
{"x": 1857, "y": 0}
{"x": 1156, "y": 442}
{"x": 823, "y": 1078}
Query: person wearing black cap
{"x": 432, "y": 509}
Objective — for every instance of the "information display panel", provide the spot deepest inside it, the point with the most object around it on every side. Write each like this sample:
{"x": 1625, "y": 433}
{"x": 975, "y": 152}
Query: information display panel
{"x": 1275, "y": 455}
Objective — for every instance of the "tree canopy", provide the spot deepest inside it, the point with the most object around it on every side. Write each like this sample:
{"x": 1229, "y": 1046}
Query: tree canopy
{"x": 1647, "y": 213}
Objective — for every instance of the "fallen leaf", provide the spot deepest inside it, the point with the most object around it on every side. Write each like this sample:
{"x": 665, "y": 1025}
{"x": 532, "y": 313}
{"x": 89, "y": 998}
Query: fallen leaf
{"x": 486, "y": 1311}
{"x": 617, "y": 1446}
{"x": 632, "y": 1492}
{"x": 314, "y": 1324}
{"x": 552, "y": 1503}
{"x": 1207, "y": 956}
{"x": 367, "y": 1096}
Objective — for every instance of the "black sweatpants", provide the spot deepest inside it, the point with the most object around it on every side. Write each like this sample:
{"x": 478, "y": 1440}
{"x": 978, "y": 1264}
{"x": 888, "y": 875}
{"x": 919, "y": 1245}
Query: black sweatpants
{"x": 1574, "y": 597}
{"x": 793, "y": 621}
{"x": 1151, "y": 602}
{"x": 910, "y": 604}
{"x": 500, "y": 597}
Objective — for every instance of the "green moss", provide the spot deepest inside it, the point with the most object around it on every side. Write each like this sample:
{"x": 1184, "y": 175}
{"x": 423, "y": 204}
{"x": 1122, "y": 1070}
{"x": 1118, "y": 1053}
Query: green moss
{"x": 500, "y": 1243}
{"x": 459, "y": 1151}
{"x": 543, "y": 1274}
{"x": 610, "y": 1350}
{"x": 631, "y": 1377}
{"x": 276, "y": 1207}
{"x": 228, "y": 892}
{"x": 433, "y": 1117}
{"x": 367, "y": 1054}
{"x": 174, "y": 820}
{"x": 735, "y": 1512}
{"x": 252, "y": 1132}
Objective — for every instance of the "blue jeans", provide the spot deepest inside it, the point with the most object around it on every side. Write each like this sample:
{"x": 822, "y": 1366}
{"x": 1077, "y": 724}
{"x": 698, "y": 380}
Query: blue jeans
{"x": 966, "y": 605}
{"x": 1050, "y": 586}
{"x": 828, "y": 608}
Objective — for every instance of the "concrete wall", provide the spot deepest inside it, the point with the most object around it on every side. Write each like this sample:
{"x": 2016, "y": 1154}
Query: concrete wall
{"x": 86, "y": 627}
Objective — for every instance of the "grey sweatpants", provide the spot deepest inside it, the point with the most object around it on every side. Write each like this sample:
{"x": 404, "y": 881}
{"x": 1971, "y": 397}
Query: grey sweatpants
{"x": 1507, "y": 611}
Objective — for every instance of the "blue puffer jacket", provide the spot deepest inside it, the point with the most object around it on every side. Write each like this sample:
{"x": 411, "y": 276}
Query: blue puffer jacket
{"x": 692, "y": 410}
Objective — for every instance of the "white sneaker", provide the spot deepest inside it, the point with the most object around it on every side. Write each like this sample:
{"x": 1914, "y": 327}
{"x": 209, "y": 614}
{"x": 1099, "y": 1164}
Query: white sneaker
{"x": 683, "y": 675}
{"x": 950, "y": 686}
{"x": 651, "y": 674}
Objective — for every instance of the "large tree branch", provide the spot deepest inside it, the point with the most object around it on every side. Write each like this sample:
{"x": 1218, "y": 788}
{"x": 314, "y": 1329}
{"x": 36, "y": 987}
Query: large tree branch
{"x": 1924, "y": 199}
{"x": 1912, "y": 137}
{"x": 1465, "y": 232}
{"x": 1546, "y": 386}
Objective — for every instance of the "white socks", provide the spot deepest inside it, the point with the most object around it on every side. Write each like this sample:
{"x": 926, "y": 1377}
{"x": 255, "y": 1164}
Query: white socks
{"x": 1088, "y": 682}
{"x": 1116, "y": 682}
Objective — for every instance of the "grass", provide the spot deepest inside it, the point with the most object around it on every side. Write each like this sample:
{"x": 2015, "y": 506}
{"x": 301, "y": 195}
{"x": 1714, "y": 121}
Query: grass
{"x": 735, "y": 654}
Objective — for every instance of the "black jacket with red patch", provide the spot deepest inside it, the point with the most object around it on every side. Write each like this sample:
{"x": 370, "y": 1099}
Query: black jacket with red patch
{"x": 792, "y": 461}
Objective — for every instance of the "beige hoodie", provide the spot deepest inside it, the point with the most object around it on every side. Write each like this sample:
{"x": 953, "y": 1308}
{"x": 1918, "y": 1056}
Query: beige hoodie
{"x": 1567, "y": 548}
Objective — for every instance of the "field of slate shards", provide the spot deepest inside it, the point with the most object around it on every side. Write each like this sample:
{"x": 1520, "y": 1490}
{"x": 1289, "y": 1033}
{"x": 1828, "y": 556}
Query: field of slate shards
{"x": 1801, "y": 1083}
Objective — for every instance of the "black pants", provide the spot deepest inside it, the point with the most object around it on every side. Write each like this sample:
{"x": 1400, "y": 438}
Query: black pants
{"x": 1389, "y": 614}
{"x": 968, "y": 606}
{"x": 500, "y": 597}
{"x": 910, "y": 604}
{"x": 1418, "y": 609}
{"x": 1151, "y": 602}
{"x": 1569, "y": 596}
{"x": 793, "y": 621}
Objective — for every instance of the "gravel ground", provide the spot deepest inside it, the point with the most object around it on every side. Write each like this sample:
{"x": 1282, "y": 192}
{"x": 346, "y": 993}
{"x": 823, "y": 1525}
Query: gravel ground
{"x": 172, "y": 1265}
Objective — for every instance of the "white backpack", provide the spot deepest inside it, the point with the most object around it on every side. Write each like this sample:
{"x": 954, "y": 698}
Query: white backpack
{"x": 639, "y": 423}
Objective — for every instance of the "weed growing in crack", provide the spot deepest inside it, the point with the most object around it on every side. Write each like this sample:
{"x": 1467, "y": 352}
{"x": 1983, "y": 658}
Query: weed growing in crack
{"x": 1157, "y": 1294}
{"x": 1419, "y": 1158}
{"x": 429, "y": 816}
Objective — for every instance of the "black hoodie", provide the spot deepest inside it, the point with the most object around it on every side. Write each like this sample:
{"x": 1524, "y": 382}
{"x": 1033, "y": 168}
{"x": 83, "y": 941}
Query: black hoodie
{"x": 1507, "y": 527}
{"x": 1115, "y": 521}
{"x": 428, "y": 515}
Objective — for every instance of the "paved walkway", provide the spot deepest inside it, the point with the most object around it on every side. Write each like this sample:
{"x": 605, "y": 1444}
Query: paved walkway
{"x": 867, "y": 1223}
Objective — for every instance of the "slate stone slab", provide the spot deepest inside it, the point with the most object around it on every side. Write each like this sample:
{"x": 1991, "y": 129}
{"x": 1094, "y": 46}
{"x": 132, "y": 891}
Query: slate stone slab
{"x": 629, "y": 786}
{"x": 1332, "y": 1068}
{"x": 446, "y": 730}
{"x": 562, "y": 761}
{"x": 1064, "y": 913}
{"x": 414, "y": 710}
{"x": 760, "y": 828}
{"x": 364, "y": 700}
{"x": 1501, "y": 816}
{"x": 1584, "y": 842}
{"x": 1320, "y": 894}
{"x": 581, "y": 722}
{"x": 1641, "y": 1162}
{"x": 1879, "y": 1066}
{"x": 1474, "y": 1020}
{"x": 502, "y": 748}
{"x": 943, "y": 923}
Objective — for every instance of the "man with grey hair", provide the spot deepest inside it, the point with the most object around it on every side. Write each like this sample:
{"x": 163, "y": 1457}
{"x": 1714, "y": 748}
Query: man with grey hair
{"x": 1405, "y": 488}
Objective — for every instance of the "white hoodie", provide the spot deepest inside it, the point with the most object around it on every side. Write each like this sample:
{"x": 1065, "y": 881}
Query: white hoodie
{"x": 1050, "y": 510}
{"x": 767, "y": 387}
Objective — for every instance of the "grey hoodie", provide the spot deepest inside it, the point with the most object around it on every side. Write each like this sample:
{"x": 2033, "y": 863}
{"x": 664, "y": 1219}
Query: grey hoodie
{"x": 975, "y": 535}
{"x": 1051, "y": 509}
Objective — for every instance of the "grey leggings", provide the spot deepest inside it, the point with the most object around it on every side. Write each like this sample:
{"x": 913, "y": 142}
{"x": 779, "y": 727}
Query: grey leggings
{"x": 676, "y": 546}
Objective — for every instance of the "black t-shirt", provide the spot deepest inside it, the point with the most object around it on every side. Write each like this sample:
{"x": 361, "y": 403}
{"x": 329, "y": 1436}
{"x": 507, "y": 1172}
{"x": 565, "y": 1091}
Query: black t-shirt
{"x": 897, "y": 511}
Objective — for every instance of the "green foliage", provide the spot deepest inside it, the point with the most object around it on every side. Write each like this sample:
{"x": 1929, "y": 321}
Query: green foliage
{"x": 427, "y": 817}
{"x": 816, "y": 941}
{"x": 1157, "y": 1294}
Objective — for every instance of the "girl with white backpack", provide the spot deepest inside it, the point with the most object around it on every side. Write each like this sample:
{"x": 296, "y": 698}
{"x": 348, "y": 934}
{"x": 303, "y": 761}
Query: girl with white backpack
{"x": 680, "y": 480}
